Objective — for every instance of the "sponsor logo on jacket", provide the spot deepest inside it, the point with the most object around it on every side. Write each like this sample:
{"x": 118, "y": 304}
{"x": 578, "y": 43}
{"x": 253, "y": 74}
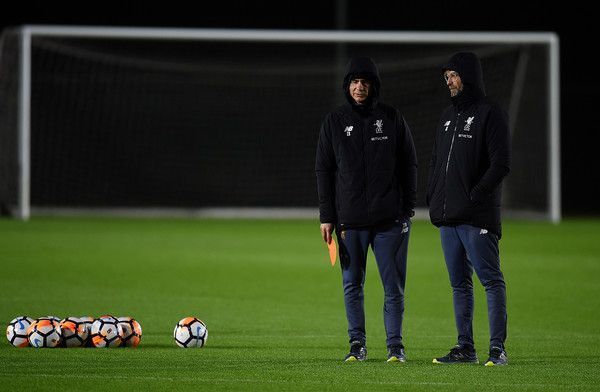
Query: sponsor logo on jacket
{"x": 378, "y": 138}
{"x": 348, "y": 130}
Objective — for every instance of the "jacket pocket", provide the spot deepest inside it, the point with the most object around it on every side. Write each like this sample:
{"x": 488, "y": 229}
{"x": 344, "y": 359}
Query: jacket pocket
{"x": 350, "y": 196}
{"x": 458, "y": 203}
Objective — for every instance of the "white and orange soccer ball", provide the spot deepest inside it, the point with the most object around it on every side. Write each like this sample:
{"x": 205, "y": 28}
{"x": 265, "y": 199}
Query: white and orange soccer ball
{"x": 44, "y": 332}
{"x": 87, "y": 321}
{"x": 54, "y": 318}
{"x": 132, "y": 331}
{"x": 190, "y": 332}
{"x": 74, "y": 332}
{"x": 106, "y": 332}
{"x": 16, "y": 331}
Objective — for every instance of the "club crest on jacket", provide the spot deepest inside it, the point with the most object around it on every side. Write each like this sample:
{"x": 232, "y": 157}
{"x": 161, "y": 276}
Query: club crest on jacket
{"x": 378, "y": 126}
{"x": 468, "y": 122}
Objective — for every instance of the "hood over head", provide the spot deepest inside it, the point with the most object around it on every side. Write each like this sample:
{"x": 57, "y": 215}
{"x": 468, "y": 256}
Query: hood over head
{"x": 362, "y": 68}
{"x": 469, "y": 69}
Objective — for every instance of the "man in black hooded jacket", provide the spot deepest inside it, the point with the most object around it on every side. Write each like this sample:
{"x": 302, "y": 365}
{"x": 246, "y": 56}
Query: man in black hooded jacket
{"x": 366, "y": 176}
{"x": 470, "y": 158}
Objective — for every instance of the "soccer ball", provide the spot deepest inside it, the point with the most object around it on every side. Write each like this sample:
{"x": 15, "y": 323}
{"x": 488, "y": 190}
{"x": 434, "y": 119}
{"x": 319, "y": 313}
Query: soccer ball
{"x": 132, "y": 331}
{"x": 190, "y": 332}
{"x": 44, "y": 333}
{"x": 16, "y": 331}
{"x": 88, "y": 321}
{"x": 53, "y": 318}
{"x": 74, "y": 332}
{"x": 106, "y": 332}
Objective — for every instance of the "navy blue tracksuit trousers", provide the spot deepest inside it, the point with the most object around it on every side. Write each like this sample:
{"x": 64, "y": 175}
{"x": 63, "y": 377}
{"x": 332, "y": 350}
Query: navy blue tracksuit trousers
{"x": 467, "y": 248}
{"x": 390, "y": 246}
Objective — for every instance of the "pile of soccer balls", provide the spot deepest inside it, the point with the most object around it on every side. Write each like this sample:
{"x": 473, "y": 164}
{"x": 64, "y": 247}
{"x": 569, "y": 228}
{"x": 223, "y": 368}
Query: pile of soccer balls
{"x": 104, "y": 331}
{"x": 51, "y": 331}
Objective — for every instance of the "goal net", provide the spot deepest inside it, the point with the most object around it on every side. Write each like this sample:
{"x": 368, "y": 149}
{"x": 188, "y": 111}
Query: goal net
{"x": 193, "y": 120}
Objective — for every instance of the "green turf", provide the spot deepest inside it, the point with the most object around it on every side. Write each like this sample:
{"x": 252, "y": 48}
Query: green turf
{"x": 274, "y": 308}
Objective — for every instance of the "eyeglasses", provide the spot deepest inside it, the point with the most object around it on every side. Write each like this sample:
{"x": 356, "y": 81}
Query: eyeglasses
{"x": 450, "y": 75}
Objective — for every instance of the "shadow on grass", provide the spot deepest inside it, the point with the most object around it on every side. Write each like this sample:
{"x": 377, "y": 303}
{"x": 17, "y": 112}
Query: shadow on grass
{"x": 207, "y": 347}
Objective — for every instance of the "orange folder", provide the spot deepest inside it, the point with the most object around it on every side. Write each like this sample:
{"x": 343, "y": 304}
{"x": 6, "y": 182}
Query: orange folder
{"x": 332, "y": 251}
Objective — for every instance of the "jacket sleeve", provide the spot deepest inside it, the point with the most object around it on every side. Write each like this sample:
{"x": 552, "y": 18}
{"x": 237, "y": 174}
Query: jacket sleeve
{"x": 407, "y": 169}
{"x": 325, "y": 168}
{"x": 497, "y": 143}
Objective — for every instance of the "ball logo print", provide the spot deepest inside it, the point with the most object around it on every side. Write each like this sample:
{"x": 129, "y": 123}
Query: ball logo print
{"x": 190, "y": 332}
{"x": 16, "y": 331}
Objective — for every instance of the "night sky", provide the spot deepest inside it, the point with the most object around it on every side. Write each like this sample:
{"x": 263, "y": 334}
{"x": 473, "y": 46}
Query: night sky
{"x": 574, "y": 25}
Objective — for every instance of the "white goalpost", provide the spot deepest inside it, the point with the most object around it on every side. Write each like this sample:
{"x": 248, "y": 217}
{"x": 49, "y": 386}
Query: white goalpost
{"x": 547, "y": 40}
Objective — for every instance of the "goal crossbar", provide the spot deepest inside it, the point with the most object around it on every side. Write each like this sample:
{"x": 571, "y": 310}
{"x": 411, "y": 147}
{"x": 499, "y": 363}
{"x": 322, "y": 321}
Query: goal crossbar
{"x": 306, "y": 36}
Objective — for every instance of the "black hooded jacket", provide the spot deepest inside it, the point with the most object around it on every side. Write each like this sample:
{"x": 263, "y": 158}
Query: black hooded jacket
{"x": 366, "y": 162}
{"x": 471, "y": 154}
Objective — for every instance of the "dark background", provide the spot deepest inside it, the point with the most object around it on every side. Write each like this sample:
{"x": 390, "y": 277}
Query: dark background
{"x": 574, "y": 25}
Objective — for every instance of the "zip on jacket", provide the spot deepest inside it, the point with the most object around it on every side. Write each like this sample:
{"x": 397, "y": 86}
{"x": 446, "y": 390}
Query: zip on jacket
{"x": 448, "y": 161}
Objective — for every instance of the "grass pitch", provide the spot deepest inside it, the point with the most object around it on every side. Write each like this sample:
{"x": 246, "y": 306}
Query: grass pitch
{"x": 274, "y": 307}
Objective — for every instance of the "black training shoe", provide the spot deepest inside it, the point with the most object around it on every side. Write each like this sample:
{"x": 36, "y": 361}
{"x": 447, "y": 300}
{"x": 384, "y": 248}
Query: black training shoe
{"x": 358, "y": 352}
{"x": 497, "y": 357}
{"x": 396, "y": 354}
{"x": 458, "y": 354}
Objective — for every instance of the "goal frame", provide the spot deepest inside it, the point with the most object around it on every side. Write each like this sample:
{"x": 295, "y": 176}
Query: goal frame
{"x": 27, "y": 32}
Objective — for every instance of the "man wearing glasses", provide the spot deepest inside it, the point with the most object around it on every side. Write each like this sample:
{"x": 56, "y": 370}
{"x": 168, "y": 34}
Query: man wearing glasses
{"x": 470, "y": 158}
